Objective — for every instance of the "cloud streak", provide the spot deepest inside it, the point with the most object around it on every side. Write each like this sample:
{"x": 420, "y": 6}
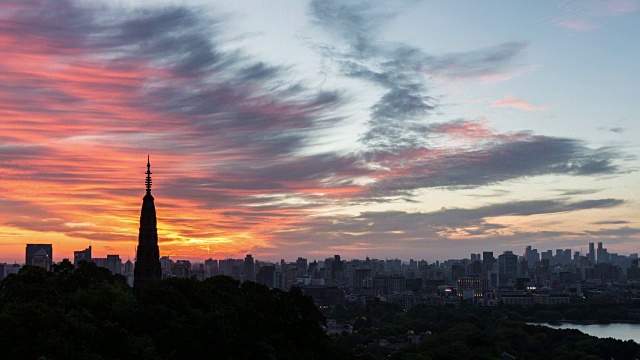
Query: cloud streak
{"x": 587, "y": 15}
{"x": 511, "y": 102}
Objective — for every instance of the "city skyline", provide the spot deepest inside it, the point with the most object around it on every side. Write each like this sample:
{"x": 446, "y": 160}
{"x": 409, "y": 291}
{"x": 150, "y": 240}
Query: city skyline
{"x": 412, "y": 129}
{"x": 539, "y": 254}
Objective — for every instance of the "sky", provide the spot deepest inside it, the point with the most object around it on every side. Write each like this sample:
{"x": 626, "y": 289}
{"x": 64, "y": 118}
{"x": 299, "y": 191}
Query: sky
{"x": 407, "y": 129}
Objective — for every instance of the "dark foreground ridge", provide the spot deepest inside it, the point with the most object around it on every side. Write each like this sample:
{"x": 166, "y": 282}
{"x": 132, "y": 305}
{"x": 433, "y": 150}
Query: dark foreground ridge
{"x": 88, "y": 313}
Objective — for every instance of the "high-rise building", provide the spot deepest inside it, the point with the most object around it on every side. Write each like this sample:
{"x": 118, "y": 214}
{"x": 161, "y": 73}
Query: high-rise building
{"x": 559, "y": 256}
{"x": 457, "y": 271}
{"x": 210, "y": 267}
{"x": 128, "y": 268}
{"x": 488, "y": 261}
{"x": 603, "y": 255}
{"x": 39, "y": 255}
{"x": 82, "y": 255}
{"x": 249, "y": 268}
{"x": 301, "y": 264}
{"x": 111, "y": 262}
{"x": 182, "y": 269}
{"x": 507, "y": 266}
{"x": 472, "y": 286}
{"x": 591, "y": 256}
{"x": 336, "y": 268}
{"x": 265, "y": 275}
{"x": 147, "y": 268}
{"x": 361, "y": 278}
{"x": 532, "y": 256}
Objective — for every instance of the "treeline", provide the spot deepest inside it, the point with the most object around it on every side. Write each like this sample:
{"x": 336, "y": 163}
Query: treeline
{"x": 88, "y": 313}
{"x": 469, "y": 332}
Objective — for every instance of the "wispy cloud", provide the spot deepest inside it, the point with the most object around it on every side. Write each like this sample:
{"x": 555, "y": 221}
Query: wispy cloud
{"x": 511, "y": 102}
{"x": 586, "y": 15}
{"x": 400, "y": 70}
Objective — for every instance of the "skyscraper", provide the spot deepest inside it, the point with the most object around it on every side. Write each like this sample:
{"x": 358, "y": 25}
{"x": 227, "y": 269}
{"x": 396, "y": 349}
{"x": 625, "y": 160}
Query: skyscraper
{"x": 81, "y": 255}
{"x": 249, "y": 268}
{"x": 147, "y": 268}
{"x": 488, "y": 262}
{"x": 507, "y": 266}
{"x": 33, "y": 255}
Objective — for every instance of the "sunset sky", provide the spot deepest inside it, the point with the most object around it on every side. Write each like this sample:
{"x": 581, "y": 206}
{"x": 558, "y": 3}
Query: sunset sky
{"x": 405, "y": 129}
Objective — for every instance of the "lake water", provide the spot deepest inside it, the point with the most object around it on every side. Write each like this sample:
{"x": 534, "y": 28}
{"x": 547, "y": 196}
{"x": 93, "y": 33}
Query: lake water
{"x": 616, "y": 331}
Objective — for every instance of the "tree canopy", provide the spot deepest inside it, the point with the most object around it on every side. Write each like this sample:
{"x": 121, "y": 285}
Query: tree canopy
{"x": 88, "y": 313}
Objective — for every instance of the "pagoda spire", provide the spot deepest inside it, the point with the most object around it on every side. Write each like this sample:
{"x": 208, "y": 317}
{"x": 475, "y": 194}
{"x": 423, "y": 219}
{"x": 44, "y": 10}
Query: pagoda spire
{"x": 147, "y": 182}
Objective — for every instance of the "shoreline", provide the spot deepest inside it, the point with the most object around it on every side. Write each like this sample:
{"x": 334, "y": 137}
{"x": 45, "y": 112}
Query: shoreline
{"x": 583, "y": 322}
{"x": 623, "y": 331}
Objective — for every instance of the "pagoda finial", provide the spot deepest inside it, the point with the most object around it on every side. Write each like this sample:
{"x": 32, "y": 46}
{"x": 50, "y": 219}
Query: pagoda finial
{"x": 148, "y": 180}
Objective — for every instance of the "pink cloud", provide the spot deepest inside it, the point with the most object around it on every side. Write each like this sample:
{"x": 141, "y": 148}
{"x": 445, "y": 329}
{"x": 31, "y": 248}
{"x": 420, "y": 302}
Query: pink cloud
{"x": 509, "y": 101}
{"x": 581, "y": 15}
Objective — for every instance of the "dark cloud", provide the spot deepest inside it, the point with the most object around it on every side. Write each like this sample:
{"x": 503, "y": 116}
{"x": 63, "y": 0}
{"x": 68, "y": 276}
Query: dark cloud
{"x": 495, "y": 159}
{"x": 427, "y": 226}
{"x": 477, "y": 63}
{"x": 399, "y": 69}
{"x": 11, "y": 152}
{"x": 573, "y": 192}
{"x": 624, "y": 231}
{"x": 611, "y": 222}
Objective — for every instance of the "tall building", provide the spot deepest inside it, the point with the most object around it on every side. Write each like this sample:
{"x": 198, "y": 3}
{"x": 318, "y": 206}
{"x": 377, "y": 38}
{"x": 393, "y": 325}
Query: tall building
{"x": 81, "y": 255}
{"x": 472, "y": 286}
{"x": 182, "y": 269}
{"x": 361, "y": 278}
{"x": 39, "y": 255}
{"x": 591, "y": 256}
{"x": 128, "y": 268}
{"x": 488, "y": 261}
{"x": 603, "y": 255}
{"x": 507, "y": 266}
{"x": 249, "y": 268}
{"x": 265, "y": 275}
{"x": 210, "y": 267}
{"x": 337, "y": 268}
{"x": 532, "y": 256}
{"x": 301, "y": 264}
{"x": 147, "y": 268}
{"x": 111, "y": 262}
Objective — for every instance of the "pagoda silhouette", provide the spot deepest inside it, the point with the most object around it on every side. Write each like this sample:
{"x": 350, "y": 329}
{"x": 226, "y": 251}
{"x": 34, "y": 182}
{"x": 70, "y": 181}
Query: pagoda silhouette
{"x": 147, "y": 270}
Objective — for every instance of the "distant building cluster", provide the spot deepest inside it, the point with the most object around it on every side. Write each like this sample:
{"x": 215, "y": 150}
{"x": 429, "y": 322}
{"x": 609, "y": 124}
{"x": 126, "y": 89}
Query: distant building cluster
{"x": 532, "y": 278}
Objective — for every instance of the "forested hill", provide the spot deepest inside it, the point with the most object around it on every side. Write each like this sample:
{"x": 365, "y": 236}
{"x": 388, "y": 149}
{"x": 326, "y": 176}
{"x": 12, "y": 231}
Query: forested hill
{"x": 88, "y": 313}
